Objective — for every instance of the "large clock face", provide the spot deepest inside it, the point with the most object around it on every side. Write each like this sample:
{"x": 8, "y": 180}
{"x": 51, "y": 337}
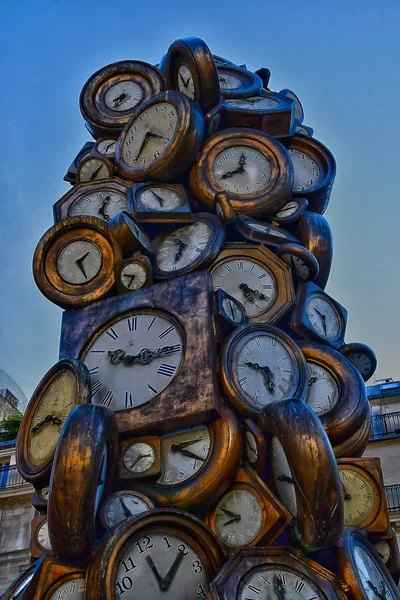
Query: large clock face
{"x": 277, "y": 583}
{"x": 306, "y": 171}
{"x": 373, "y": 580}
{"x": 323, "y": 390}
{"x": 73, "y": 589}
{"x": 323, "y": 316}
{"x": 161, "y": 566}
{"x": 134, "y": 359}
{"x": 249, "y": 282}
{"x": 359, "y": 496}
{"x": 103, "y": 204}
{"x": 242, "y": 170}
{"x": 47, "y": 422}
{"x": 184, "y": 247}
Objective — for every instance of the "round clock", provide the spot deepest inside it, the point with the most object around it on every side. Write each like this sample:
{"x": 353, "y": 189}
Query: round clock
{"x": 165, "y": 553}
{"x": 234, "y": 82}
{"x": 360, "y": 494}
{"x": 261, "y": 364}
{"x": 362, "y": 356}
{"x": 189, "y": 248}
{"x": 290, "y": 212}
{"x": 72, "y": 588}
{"x": 298, "y": 109}
{"x": 190, "y": 69}
{"x": 140, "y": 458}
{"x": 64, "y": 386}
{"x": 197, "y": 464}
{"x": 383, "y": 549}
{"x": 93, "y": 167}
{"x": 41, "y": 536}
{"x": 300, "y": 260}
{"x": 122, "y": 505}
{"x": 223, "y": 208}
{"x": 255, "y": 446}
{"x": 251, "y": 166}
{"x": 314, "y": 171}
{"x": 264, "y": 233}
{"x": 73, "y": 263}
{"x": 315, "y": 234}
{"x": 110, "y": 96}
{"x": 161, "y": 139}
{"x": 133, "y": 273}
{"x": 105, "y": 147}
{"x": 362, "y": 569}
{"x": 93, "y": 199}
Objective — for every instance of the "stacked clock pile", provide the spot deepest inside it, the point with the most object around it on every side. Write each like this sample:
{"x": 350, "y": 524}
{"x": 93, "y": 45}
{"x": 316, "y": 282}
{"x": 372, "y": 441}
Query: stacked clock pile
{"x": 200, "y": 436}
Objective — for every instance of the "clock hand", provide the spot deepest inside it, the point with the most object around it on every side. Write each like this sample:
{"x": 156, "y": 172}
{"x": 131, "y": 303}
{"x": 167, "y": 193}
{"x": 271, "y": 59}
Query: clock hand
{"x": 79, "y": 262}
{"x": 285, "y": 478}
{"x": 240, "y": 169}
{"x": 181, "y": 78}
{"x": 187, "y": 81}
{"x": 311, "y": 381}
{"x": 146, "y": 138}
{"x": 248, "y": 292}
{"x": 145, "y": 355}
{"x": 153, "y": 567}
{"x": 120, "y": 99}
{"x": 168, "y": 579}
{"x": 131, "y": 278}
{"x": 189, "y": 454}
{"x": 177, "y": 447}
{"x": 279, "y": 588}
{"x": 126, "y": 510}
{"x": 242, "y": 160}
{"x": 234, "y": 517}
{"x": 102, "y": 209}
{"x": 47, "y": 419}
{"x": 266, "y": 373}
{"x": 109, "y": 146}
{"x": 230, "y": 521}
{"x": 138, "y": 458}
{"x": 95, "y": 173}
{"x": 181, "y": 247}
{"x": 159, "y": 198}
{"x": 375, "y": 590}
{"x": 221, "y": 79}
{"x": 346, "y": 495}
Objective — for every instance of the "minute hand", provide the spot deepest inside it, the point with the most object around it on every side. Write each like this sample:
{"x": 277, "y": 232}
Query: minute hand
{"x": 145, "y": 355}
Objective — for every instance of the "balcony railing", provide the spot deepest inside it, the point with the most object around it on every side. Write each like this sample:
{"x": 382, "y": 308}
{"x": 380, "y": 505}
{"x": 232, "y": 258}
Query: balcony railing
{"x": 393, "y": 497}
{"x": 10, "y": 478}
{"x": 385, "y": 425}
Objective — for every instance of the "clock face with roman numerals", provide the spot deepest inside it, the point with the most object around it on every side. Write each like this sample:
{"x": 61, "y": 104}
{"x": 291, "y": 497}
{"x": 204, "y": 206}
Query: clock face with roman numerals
{"x": 134, "y": 358}
{"x": 277, "y": 584}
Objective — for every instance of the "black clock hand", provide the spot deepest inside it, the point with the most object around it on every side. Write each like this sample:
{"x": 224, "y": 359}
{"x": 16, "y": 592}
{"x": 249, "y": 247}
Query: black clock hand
{"x": 94, "y": 174}
{"x": 188, "y": 79}
{"x": 131, "y": 278}
{"x": 79, "y": 262}
{"x": 248, "y": 292}
{"x": 168, "y": 579}
{"x": 109, "y": 146}
{"x": 285, "y": 478}
{"x": 279, "y": 588}
{"x": 153, "y": 567}
{"x": 102, "y": 209}
{"x": 311, "y": 381}
{"x": 147, "y": 136}
{"x": 189, "y": 454}
{"x": 181, "y": 78}
{"x": 126, "y": 510}
{"x": 177, "y": 447}
{"x": 323, "y": 317}
{"x": 159, "y": 198}
{"x": 181, "y": 247}
{"x": 375, "y": 590}
{"x": 138, "y": 458}
{"x": 266, "y": 373}
{"x": 47, "y": 419}
{"x": 230, "y": 521}
{"x": 346, "y": 495}
{"x": 234, "y": 517}
{"x": 120, "y": 99}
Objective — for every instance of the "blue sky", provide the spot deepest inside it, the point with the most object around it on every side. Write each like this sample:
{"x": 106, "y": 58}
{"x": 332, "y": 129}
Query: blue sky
{"x": 341, "y": 58}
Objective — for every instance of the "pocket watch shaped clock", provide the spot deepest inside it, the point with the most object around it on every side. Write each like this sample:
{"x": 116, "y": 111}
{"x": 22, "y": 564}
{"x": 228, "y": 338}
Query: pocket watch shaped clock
{"x": 40, "y": 540}
{"x": 41, "y": 495}
{"x": 197, "y": 464}
{"x": 314, "y": 171}
{"x": 105, "y": 147}
{"x": 160, "y": 203}
{"x": 161, "y": 139}
{"x": 315, "y": 235}
{"x": 261, "y": 364}
{"x": 59, "y": 579}
{"x": 139, "y": 457}
{"x": 362, "y": 357}
{"x": 290, "y": 212}
{"x": 238, "y": 82}
{"x": 151, "y": 354}
{"x": 73, "y": 263}
{"x": 257, "y": 278}
{"x": 133, "y": 273}
{"x": 93, "y": 167}
{"x": 229, "y": 313}
{"x": 102, "y": 200}
{"x": 121, "y": 506}
{"x": 64, "y": 386}
{"x": 251, "y": 166}
{"x": 70, "y": 175}
{"x": 165, "y": 553}
{"x": 190, "y": 69}
{"x": 188, "y": 248}
{"x": 362, "y": 569}
{"x": 110, "y": 96}
{"x": 318, "y": 317}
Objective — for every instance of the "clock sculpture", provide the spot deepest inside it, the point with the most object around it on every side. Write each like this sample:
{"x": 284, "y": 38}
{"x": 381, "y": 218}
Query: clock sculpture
{"x": 201, "y": 434}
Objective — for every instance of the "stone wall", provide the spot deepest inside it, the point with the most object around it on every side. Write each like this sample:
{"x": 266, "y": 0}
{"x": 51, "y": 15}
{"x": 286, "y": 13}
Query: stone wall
{"x": 15, "y": 540}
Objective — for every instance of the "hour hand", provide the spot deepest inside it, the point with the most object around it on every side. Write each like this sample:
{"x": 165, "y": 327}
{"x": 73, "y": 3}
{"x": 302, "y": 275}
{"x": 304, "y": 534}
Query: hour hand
{"x": 189, "y": 454}
{"x": 157, "y": 575}
{"x": 175, "y": 447}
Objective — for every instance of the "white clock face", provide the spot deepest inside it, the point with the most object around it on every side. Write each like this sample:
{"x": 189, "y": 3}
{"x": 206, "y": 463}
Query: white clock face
{"x": 263, "y": 367}
{"x": 43, "y": 536}
{"x": 73, "y": 589}
{"x": 103, "y": 204}
{"x": 183, "y": 453}
{"x": 373, "y": 580}
{"x": 139, "y": 457}
{"x": 382, "y": 548}
{"x": 323, "y": 316}
{"x": 251, "y": 448}
{"x": 184, "y": 247}
{"x": 44, "y": 492}
{"x": 322, "y": 391}
{"x": 241, "y": 170}
{"x": 106, "y": 147}
{"x": 283, "y": 476}
{"x": 122, "y": 507}
{"x": 161, "y": 566}
{"x": 232, "y": 310}
{"x": 276, "y": 583}
{"x": 254, "y": 103}
{"x": 229, "y": 82}
{"x": 124, "y": 95}
{"x": 133, "y": 276}
{"x": 306, "y": 171}
{"x": 133, "y": 360}
{"x": 238, "y": 517}
{"x": 252, "y": 284}
{"x": 186, "y": 82}
{"x": 159, "y": 198}
{"x": 79, "y": 262}
{"x": 150, "y": 134}
{"x": 296, "y": 263}
{"x": 93, "y": 169}
{"x": 288, "y": 209}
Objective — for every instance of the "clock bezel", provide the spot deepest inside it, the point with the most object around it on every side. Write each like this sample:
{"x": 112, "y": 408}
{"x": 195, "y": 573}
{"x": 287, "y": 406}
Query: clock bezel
{"x": 351, "y": 347}
{"x": 315, "y": 234}
{"x": 302, "y": 204}
{"x": 303, "y": 254}
{"x": 124, "y": 472}
{"x": 53, "y": 573}
{"x": 285, "y": 92}
{"x": 137, "y": 258}
{"x": 103, "y": 506}
{"x": 251, "y": 83}
{"x": 268, "y": 239}
{"x": 106, "y": 161}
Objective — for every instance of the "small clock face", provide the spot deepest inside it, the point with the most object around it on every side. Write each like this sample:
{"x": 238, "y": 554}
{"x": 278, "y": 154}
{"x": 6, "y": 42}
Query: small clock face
{"x": 323, "y": 316}
{"x": 229, "y": 82}
{"x": 372, "y": 578}
{"x": 73, "y": 589}
{"x": 163, "y": 567}
{"x": 232, "y": 310}
{"x": 47, "y": 422}
{"x": 252, "y": 284}
{"x": 122, "y": 506}
{"x": 159, "y": 198}
{"x": 183, "y": 454}
{"x": 277, "y": 583}
{"x": 283, "y": 476}
{"x": 134, "y": 359}
{"x": 238, "y": 517}
{"x": 150, "y": 134}
{"x": 103, "y": 204}
{"x": 288, "y": 209}
{"x": 106, "y": 147}
{"x": 306, "y": 171}
{"x": 296, "y": 263}
{"x": 242, "y": 170}
{"x": 186, "y": 82}
{"x": 124, "y": 95}
{"x": 133, "y": 276}
{"x": 44, "y": 492}
{"x": 139, "y": 457}
{"x": 383, "y": 549}
{"x": 92, "y": 169}
{"x": 359, "y": 496}
{"x": 264, "y": 368}
{"x": 184, "y": 247}
{"x": 268, "y": 229}
{"x": 251, "y": 448}
{"x": 43, "y": 538}
{"x": 254, "y": 103}
{"x": 323, "y": 390}
{"x": 79, "y": 262}
{"x": 362, "y": 362}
